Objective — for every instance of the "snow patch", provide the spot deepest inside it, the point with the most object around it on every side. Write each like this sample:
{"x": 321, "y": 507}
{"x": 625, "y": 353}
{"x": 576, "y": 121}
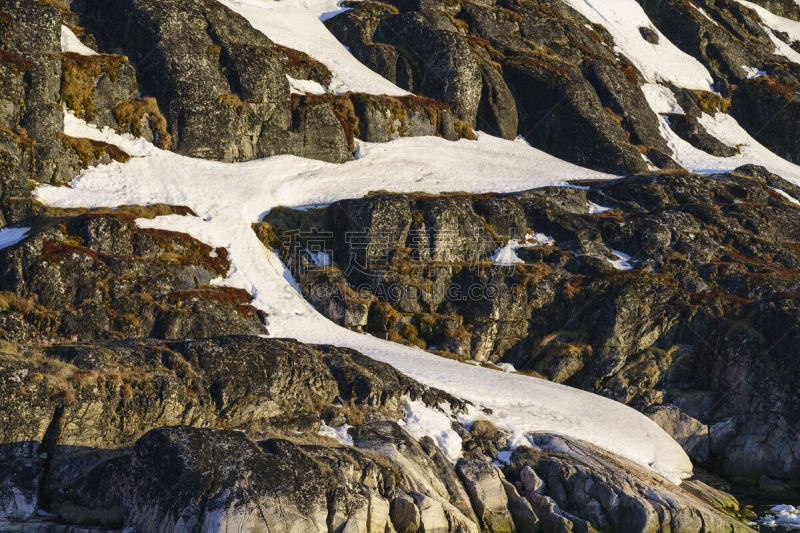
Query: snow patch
{"x": 339, "y": 433}
{"x": 321, "y": 259}
{"x": 728, "y": 131}
{"x": 298, "y": 24}
{"x": 623, "y": 261}
{"x": 11, "y": 236}
{"x": 423, "y": 421}
{"x": 753, "y": 72}
{"x": 134, "y": 146}
{"x": 661, "y": 99}
{"x": 305, "y": 86}
{"x": 507, "y": 367}
{"x": 781, "y": 48}
{"x": 786, "y": 195}
{"x": 507, "y": 255}
{"x": 71, "y": 43}
{"x": 775, "y": 22}
{"x": 595, "y": 209}
{"x": 772, "y": 23}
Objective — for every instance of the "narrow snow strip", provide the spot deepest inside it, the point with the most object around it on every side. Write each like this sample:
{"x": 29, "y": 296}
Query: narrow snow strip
{"x": 775, "y": 22}
{"x": 657, "y": 62}
{"x": 423, "y": 421}
{"x": 772, "y": 23}
{"x": 298, "y": 24}
{"x": 703, "y": 12}
{"x": 11, "y": 236}
{"x": 304, "y": 86}
{"x": 725, "y": 129}
{"x": 133, "y": 146}
{"x": 595, "y": 209}
{"x": 228, "y": 198}
{"x": 71, "y": 43}
{"x": 781, "y": 48}
{"x": 786, "y": 195}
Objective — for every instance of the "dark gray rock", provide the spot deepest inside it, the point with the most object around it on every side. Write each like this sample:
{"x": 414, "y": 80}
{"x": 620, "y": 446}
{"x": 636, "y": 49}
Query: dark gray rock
{"x": 221, "y": 83}
{"x": 641, "y": 336}
{"x": 689, "y": 129}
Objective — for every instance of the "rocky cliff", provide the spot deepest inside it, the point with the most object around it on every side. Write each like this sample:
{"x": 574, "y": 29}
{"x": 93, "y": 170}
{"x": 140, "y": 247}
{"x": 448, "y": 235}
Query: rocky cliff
{"x": 143, "y": 390}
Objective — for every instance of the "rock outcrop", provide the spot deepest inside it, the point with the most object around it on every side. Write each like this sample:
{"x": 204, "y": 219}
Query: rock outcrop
{"x": 537, "y": 69}
{"x": 673, "y": 290}
{"x": 541, "y": 70}
{"x": 137, "y": 394}
{"x": 758, "y": 83}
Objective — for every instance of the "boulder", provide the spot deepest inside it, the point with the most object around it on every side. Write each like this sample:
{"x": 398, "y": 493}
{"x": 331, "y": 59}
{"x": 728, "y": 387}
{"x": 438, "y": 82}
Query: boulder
{"x": 487, "y": 492}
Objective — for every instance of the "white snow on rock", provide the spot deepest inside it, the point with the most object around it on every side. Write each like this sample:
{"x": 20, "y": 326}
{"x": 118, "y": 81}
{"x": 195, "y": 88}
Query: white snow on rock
{"x": 506, "y": 367}
{"x": 11, "y": 236}
{"x": 664, "y": 62}
{"x": 298, "y": 24}
{"x": 423, "y": 421}
{"x": 771, "y": 23}
{"x": 703, "y": 12}
{"x": 657, "y": 62}
{"x": 725, "y": 129}
{"x": 321, "y": 259}
{"x": 71, "y": 43}
{"x": 661, "y": 99}
{"x": 229, "y": 197}
{"x": 781, "y": 48}
{"x": 786, "y": 195}
{"x": 595, "y": 209}
{"x": 623, "y": 261}
{"x": 305, "y": 86}
{"x": 339, "y": 433}
{"x": 753, "y": 72}
{"x": 507, "y": 255}
{"x": 783, "y": 516}
{"x": 775, "y": 22}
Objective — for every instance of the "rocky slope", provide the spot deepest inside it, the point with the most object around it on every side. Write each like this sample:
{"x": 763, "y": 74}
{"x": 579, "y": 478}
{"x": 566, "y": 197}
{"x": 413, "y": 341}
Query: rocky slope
{"x": 700, "y": 316}
{"x": 542, "y": 70}
{"x": 139, "y": 393}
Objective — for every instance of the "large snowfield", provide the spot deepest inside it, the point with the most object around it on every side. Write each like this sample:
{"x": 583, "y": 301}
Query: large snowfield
{"x": 228, "y": 197}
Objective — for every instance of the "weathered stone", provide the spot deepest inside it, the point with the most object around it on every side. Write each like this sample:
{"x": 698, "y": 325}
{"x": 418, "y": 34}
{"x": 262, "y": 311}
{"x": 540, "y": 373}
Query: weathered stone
{"x": 485, "y": 487}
